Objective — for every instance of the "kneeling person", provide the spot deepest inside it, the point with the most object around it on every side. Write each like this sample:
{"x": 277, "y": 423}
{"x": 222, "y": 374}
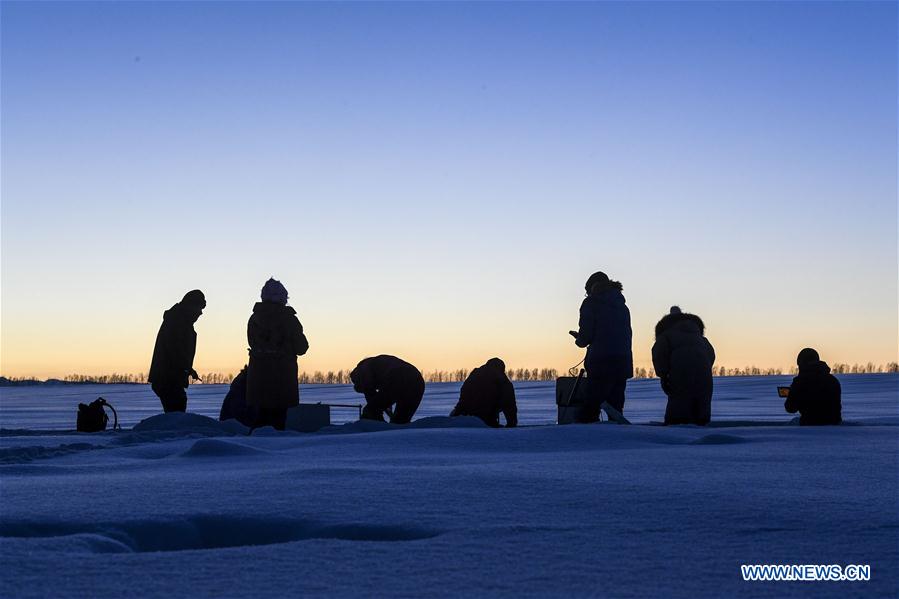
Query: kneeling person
{"x": 387, "y": 381}
{"x": 486, "y": 392}
{"x": 815, "y": 393}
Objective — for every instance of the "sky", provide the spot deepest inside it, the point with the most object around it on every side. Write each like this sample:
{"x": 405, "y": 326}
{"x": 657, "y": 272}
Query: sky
{"x": 438, "y": 180}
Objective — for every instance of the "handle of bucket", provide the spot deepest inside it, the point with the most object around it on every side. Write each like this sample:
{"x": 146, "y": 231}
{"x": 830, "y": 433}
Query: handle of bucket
{"x": 577, "y": 382}
{"x": 115, "y": 415}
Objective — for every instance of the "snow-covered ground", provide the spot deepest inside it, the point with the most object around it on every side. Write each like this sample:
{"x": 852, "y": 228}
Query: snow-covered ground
{"x": 184, "y": 506}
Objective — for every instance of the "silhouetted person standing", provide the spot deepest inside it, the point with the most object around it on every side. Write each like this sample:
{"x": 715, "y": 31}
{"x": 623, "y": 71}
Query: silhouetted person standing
{"x": 387, "y": 381}
{"x": 683, "y": 359}
{"x": 815, "y": 393}
{"x": 486, "y": 392}
{"x": 605, "y": 330}
{"x": 173, "y": 355}
{"x": 276, "y": 339}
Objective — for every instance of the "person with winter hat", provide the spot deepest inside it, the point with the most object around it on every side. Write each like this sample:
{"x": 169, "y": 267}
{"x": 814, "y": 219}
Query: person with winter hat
{"x": 276, "y": 338}
{"x": 172, "y": 365}
{"x": 683, "y": 359}
{"x": 815, "y": 393}
{"x": 605, "y": 330}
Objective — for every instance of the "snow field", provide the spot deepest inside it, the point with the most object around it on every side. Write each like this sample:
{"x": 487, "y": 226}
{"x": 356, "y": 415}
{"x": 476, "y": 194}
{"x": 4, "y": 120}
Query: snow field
{"x": 187, "y": 507}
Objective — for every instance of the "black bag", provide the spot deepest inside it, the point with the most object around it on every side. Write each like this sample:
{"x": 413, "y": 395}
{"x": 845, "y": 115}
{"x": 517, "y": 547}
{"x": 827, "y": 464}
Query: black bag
{"x": 92, "y": 417}
{"x": 571, "y": 394}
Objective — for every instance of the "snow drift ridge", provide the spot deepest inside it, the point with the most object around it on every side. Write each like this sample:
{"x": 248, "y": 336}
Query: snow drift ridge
{"x": 206, "y": 532}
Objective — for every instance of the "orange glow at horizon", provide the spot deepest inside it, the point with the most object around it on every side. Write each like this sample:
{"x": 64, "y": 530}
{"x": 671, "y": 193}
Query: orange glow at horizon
{"x": 80, "y": 347}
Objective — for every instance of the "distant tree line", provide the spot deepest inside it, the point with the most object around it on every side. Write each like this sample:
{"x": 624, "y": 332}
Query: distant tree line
{"x": 106, "y": 379}
{"x": 837, "y": 368}
{"x": 342, "y": 377}
{"x": 212, "y": 378}
{"x": 869, "y": 368}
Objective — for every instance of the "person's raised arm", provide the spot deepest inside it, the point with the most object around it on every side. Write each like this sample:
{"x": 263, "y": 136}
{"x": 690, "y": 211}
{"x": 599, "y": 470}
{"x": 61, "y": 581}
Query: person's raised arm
{"x": 793, "y": 402}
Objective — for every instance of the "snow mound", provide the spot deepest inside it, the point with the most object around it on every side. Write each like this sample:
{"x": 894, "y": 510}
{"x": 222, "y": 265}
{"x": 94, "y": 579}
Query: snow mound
{"x": 448, "y": 422}
{"x": 374, "y": 426}
{"x": 270, "y": 431}
{"x": 18, "y": 455}
{"x": 188, "y": 422}
{"x": 204, "y": 532}
{"x": 214, "y": 448}
{"x": 719, "y": 439}
{"x": 360, "y": 426}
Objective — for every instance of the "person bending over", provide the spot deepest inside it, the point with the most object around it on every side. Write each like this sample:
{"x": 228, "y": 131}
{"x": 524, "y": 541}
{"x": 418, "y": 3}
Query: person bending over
{"x": 172, "y": 365}
{"x": 387, "y": 381}
{"x": 486, "y": 392}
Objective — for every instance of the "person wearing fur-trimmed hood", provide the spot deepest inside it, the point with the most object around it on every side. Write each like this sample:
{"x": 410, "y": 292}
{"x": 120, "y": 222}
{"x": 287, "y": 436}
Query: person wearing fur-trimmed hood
{"x": 604, "y": 328}
{"x": 276, "y": 338}
{"x": 683, "y": 360}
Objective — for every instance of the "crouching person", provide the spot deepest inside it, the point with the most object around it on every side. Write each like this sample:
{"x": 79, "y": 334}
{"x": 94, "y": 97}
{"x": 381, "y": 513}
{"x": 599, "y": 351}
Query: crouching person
{"x": 386, "y": 381}
{"x": 683, "y": 359}
{"x": 486, "y": 392}
{"x": 815, "y": 393}
{"x": 235, "y": 403}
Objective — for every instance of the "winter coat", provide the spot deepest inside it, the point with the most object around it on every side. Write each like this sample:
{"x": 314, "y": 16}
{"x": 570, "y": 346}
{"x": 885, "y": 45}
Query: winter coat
{"x": 383, "y": 379}
{"x": 605, "y": 330}
{"x": 683, "y": 359}
{"x": 276, "y": 339}
{"x": 374, "y": 374}
{"x": 815, "y": 394}
{"x": 485, "y": 393}
{"x": 176, "y": 344}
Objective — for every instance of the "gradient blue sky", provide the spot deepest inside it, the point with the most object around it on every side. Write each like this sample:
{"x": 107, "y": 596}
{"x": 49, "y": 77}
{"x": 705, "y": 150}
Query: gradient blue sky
{"x": 437, "y": 180}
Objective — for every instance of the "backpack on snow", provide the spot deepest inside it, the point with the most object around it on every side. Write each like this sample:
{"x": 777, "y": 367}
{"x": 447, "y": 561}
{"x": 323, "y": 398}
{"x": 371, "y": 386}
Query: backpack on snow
{"x": 92, "y": 417}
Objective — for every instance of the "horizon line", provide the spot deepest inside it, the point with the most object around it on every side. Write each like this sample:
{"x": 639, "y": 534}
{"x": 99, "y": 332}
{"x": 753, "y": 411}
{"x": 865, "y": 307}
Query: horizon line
{"x": 450, "y": 375}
